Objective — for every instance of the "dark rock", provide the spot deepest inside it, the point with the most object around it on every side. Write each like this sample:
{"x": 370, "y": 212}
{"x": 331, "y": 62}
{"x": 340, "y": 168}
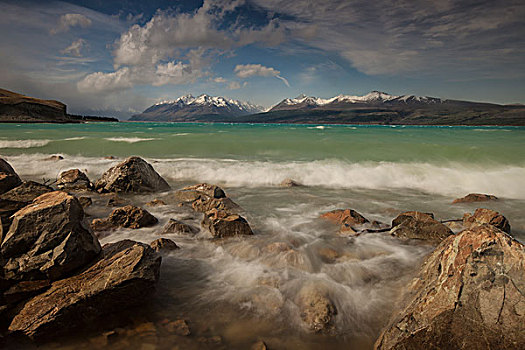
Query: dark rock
{"x": 132, "y": 175}
{"x": 178, "y": 327}
{"x": 163, "y": 244}
{"x": 74, "y": 179}
{"x": 85, "y": 201}
{"x": 175, "y": 226}
{"x": 123, "y": 276}
{"x": 223, "y": 224}
{"x": 8, "y": 177}
{"x": 24, "y": 290}
{"x": 475, "y": 197}
{"x": 317, "y": 310}
{"x": 204, "y": 204}
{"x": 116, "y": 201}
{"x": 128, "y": 217}
{"x": 190, "y": 193}
{"x": 6, "y": 168}
{"x": 290, "y": 183}
{"x": 486, "y": 216}
{"x": 54, "y": 158}
{"x": 422, "y": 226}
{"x": 469, "y": 295}
{"x": 48, "y": 239}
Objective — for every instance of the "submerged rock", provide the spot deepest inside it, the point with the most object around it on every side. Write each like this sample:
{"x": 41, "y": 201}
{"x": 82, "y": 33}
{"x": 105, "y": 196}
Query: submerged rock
{"x": 155, "y": 203}
{"x": 48, "y": 239}
{"x": 469, "y": 295}
{"x": 54, "y": 158}
{"x": 74, "y": 179}
{"x": 348, "y": 219}
{"x": 417, "y": 225}
{"x": 475, "y": 197}
{"x": 486, "y": 216}
{"x": 163, "y": 244}
{"x": 178, "y": 227}
{"x": 132, "y": 175}
{"x": 128, "y": 217}
{"x": 317, "y": 310}
{"x": 223, "y": 224}
{"x": 8, "y": 177}
{"x": 124, "y": 275}
{"x": 290, "y": 183}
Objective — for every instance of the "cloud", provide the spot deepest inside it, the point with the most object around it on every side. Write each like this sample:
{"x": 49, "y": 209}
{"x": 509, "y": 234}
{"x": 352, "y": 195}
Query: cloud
{"x": 234, "y": 85}
{"x": 251, "y": 70}
{"x": 96, "y": 82}
{"x": 70, "y": 20}
{"x": 75, "y": 48}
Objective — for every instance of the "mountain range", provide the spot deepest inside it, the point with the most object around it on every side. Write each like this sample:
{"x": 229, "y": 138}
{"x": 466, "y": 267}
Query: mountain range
{"x": 373, "y": 108}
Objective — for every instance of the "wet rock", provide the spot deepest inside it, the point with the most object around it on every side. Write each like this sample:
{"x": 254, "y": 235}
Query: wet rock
{"x": 6, "y": 168}
{"x": 116, "y": 201}
{"x": 178, "y": 327}
{"x": 54, "y": 158}
{"x": 24, "y": 290}
{"x": 178, "y": 227}
{"x": 486, "y": 216}
{"x": 74, "y": 179}
{"x": 259, "y": 345}
{"x": 109, "y": 158}
{"x": 317, "y": 310}
{"x": 422, "y": 226}
{"x": 124, "y": 275}
{"x": 348, "y": 219}
{"x": 8, "y": 177}
{"x": 155, "y": 203}
{"x": 277, "y": 247}
{"x": 191, "y": 193}
{"x": 290, "y": 183}
{"x": 469, "y": 295}
{"x": 475, "y": 197}
{"x": 85, "y": 201}
{"x": 328, "y": 255}
{"x": 204, "y": 204}
{"x": 48, "y": 239}
{"x": 132, "y": 175}
{"x": 223, "y": 224}
{"x": 127, "y": 217}
{"x": 163, "y": 244}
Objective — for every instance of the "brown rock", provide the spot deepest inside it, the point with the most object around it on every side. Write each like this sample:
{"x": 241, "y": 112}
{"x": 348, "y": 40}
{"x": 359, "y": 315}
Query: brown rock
{"x": 8, "y": 182}
{"x": 290, "y": 183}
{"x": 123, "y": 276}
{"x": 6, "y": 168}
{"x": 486, "y": 216}
{"x": 163, "y": 244}
{"x": 317, "y": 310}
{"x": 259, "y": 345}
{"x": 223, "y": 224}
{"x": 54, "y": 158}
{"x": 85, "y": 201}
{"x": 178, "y": 327}
{"x": 469, "y": 295}
{"x": 116, "y": 201}
{"x": 195, "y": 191}
{"x": 204, "y": 204}
{"x": 348, "y": 219}
{"x": 155, "y": 203}
{"x": 277, "y": 247}
{"x": 422, "y": 226}
{"x": 74, "y": 179}
{"x": 475, "y": 197}
{"x": 328, "y": 255}
{"x": 48, "y": 239}
{"x": 178, "y": 227}
{"x": 128, "y": 217}
{"x": 24, "y": 290}
{"x": 132, "y": 175}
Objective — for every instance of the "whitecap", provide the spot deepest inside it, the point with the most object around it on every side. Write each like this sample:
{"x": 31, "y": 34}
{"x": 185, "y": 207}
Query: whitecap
{"x": 23, "y": 143}
{"x": 129, "y": 139}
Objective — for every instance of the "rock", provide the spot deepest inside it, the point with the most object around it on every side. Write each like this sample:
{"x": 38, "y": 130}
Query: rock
{"x": 109, "y": 157}
{"x": 422, "y": 226}
{"x": 475, "y": 197}
{"x": 116, "y": 201}
{"x": 190, "y": 193}
{"x": 328, "y": 255}
{"x": 223, "y": 224}
{"x": 124, "y": 275}
{"x": 486, "y": 216}
{"x": 346, "y": 217}
{"x": 17, "y": 198}
{"x": 469, "y": 295}
{"x": 259, "y": 345}
{"x": 204, "y": 204}
{"x": 178, "y": 327}
{"x": 128, "y": 217}
{"x": 178, "y": 227}
{"x": 155, "y": 203}
{"x": 24, "y": 290}
{"x": 85, "y": 201}
{"x": 317, "y": 310}
{"x": 48, "y": 239}
{"x": 8, "y": 177}
{"x": 163, "y": 244}
{"x": 74, "y": 179}
{"x": 132, "y": 175}
{"x": 55, "y": 158}
{"x": 290, "y": 183}
{"x": 277, "y": 247}
{"x": 6, "y": 168}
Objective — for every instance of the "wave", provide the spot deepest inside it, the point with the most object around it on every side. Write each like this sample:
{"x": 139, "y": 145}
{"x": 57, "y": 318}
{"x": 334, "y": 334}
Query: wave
{"x": 23, "y": 143}
{"x": 129, "y": 139}
{"x": 450, "y": 179}
{"x": 75, "y": 138}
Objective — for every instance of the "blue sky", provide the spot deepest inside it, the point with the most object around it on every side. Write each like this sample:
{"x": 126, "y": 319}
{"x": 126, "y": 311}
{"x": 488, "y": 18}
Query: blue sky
{"x": 117, "y": 58}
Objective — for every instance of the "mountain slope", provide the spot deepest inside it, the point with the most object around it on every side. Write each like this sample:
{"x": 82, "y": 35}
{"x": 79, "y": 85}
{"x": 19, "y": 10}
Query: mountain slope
{"x": 202, "y": 108}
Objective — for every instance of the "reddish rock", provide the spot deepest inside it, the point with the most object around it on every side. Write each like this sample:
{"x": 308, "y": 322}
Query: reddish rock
{"x": 422, "y": 226}
{"x": 345, "y": 217}
{"x": 469, "y": 295}
{"x": 290, "y": 183}
{"x": 223, "y": 224}
{"x": 486, "y": 216}
{"x": 475, "y": 197}
{"x": 128, "y": 217}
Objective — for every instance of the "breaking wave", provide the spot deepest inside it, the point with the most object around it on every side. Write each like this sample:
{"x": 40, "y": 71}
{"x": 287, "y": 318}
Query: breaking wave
{"x": 129, "y": 139}
{"x": 23, "y": 143}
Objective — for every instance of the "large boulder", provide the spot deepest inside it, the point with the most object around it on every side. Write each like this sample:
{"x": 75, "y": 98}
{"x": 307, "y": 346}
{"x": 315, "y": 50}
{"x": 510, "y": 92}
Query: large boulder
{"x": 48, "y": 239}
{"x": 486, "y": 216}
{"x": 205, "y": 197}
{"x": 132, "y": 175}
{"x": 469, "y": 295}
{"x": 124, "y": 275}
{"x": 127, "y": 217}
{"x": 475, "y": 197}
{"x": 74, "y": 179}
{"x": 422, "y": 226}
{"x": 178, "y": 227}
{"x": 223, "y": 224}
{"x": 8, "y": 177}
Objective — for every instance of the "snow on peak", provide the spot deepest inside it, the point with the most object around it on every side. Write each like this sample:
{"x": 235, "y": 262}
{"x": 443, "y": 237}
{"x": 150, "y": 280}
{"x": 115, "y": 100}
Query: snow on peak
{"x": 217, "y": 101}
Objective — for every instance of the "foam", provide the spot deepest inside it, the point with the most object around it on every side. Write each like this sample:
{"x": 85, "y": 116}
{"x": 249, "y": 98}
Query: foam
{"x": 23, "y": 143}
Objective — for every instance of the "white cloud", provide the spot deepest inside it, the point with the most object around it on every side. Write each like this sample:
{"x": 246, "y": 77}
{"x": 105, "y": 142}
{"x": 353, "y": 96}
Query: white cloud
{"x": 234, "y": 85}
{"x": 219, "y": 80}
{"x": 71, "y": 20}
{"x": 97, "y": 82}
{"x": 251, "y": 70}
{"x": 75, "y": 48}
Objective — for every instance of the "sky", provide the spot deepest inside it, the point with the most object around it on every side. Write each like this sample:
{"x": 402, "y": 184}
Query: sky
{"x": 116, "y": 58}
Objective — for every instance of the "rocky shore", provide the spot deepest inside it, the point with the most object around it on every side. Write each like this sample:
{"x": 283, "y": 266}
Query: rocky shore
{"x": 57, "y": 280}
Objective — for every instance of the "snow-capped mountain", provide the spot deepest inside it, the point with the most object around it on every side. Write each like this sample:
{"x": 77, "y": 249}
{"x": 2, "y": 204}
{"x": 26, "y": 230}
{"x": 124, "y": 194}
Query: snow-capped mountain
{"x": 190, "y": 108}
{"x": 372, "y": 98}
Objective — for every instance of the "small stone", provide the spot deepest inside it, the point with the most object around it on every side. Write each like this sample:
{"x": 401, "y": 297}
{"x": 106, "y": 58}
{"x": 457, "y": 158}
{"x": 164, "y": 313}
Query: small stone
{"x": 178, "y": 227}
{"x": 163, "y": 244}
{"x": 54, "y": 158}
{"x": 178, "y": 327}
{"x": 475, "y": 197}
{"x": 155, "y": 203}
{"x": 290, "y": 183}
